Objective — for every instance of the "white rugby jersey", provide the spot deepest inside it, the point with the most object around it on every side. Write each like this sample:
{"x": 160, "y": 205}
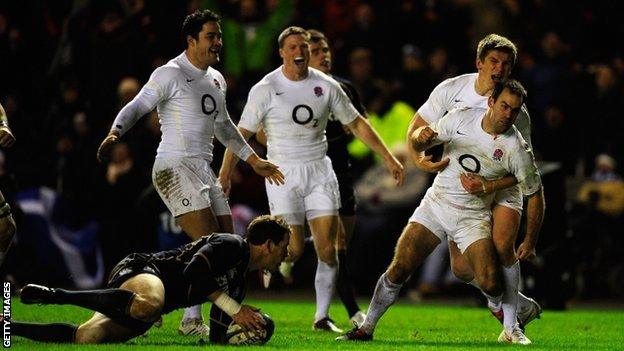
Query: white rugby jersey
{"x": 294, "y": 114}
{"x": 471, "y": 149}
{"x": 189, "y": 102}
{"x": 460, "y": 92}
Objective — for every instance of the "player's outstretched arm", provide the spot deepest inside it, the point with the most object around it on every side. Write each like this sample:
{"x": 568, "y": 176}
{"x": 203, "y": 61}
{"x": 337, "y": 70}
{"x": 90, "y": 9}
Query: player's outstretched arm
{"x": 236, "y": 142}
{"x": 419, "y": 158}
{"x": 266, "y": 169}
{"x": 365, "y": 132}
{"x": 244, "y": 315}
{"x": 142, "y": 104}
{"x": 536, "y": 207}
{"x": 476, "y": 184}
{"x": 106, "y": 146}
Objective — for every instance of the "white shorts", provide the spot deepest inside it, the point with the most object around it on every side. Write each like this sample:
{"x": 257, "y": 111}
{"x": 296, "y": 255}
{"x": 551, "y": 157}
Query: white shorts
{"x": 510, "y": 197}
{"x": 310, "y": 188}
{"x": 188, "y": 184}
{"x": 462, "y": 226}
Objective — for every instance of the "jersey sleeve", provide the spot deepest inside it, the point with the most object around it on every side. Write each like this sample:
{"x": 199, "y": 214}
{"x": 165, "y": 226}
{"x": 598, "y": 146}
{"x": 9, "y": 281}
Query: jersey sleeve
{"x": 200, "y": 274}
{"x": 436, "y": 105}
{"x": 210, "y": 261}
{"x": 447, "y": 126}
{"x": 157, "y": 89}
{"x": 523, "y": 167}
{"x": 255, "y": 109}
{"x": 340, "y": 104}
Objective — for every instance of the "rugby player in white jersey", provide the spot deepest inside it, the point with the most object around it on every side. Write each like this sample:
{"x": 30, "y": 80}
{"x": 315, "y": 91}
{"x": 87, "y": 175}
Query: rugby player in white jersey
{"x": 483, "y": 142}
{"x": 496, "y": 56}
{"x": 293, "y": 104}
{"x": 190, "y": 98}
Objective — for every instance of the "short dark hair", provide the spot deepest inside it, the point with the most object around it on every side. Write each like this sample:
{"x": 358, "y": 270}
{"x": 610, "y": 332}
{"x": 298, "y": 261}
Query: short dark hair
{"x": 496, "y": 42}
{"x": 292, "y": 31}
{"x": 265, "y": 228}
{"x": 316, "y": 36}
{"x": 514, "y": 88}
{"x": 194, "y": 22}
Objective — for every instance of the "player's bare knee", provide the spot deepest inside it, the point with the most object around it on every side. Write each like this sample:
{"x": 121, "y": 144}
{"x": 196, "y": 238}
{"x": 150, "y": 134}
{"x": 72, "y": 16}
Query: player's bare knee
{"x": 89, "y": 333}
{"x": 489, "y": 282}
{"x": 505, "y": 252}
{"x": 145, "y": 308}
{"x": 294, "y": 253}
{"x": 327, "y": 255}
{"x": 462, "y": 270}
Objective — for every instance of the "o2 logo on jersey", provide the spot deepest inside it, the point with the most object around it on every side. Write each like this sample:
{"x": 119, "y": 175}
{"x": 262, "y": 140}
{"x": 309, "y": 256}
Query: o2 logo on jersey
{"x": 469, "y": 163}
{"x": 303, "y": 114}
{"x": 209, "y": 105}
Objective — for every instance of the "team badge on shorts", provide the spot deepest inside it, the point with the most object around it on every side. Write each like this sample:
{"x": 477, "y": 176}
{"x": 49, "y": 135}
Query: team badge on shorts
{"x": 318, "y": 91}
{"x": 498, "y": 154}
{"x": 216, "y": 82}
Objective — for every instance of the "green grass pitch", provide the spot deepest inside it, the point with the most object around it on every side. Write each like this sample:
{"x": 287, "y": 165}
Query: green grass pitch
{"x": 405, "y": 326}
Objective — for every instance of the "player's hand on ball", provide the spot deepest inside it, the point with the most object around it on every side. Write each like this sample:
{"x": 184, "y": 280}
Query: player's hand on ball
{"x": 427, "y": 165}
{"x": 474, "y": 183}
{"x": 526, "y": 251}
{"x": 105, "y": 147}
{"x": 249, "y": 318}
{"x": 6, "y": 137}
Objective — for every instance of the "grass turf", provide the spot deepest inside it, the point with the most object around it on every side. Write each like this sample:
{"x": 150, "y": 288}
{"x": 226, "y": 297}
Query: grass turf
{"x": 405, "y": 326}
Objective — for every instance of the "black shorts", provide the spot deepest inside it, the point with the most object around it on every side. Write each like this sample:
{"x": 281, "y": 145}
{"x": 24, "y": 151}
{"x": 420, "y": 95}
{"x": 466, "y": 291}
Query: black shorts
{"x": 347, "y": 194}
{"x": 132, "y": 265}
{"x": 127, "y": 268}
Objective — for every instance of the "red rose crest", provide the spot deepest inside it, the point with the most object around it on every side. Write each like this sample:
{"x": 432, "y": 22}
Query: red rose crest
{"x": 498, "y": 154}
{"x": 318, "y": 91}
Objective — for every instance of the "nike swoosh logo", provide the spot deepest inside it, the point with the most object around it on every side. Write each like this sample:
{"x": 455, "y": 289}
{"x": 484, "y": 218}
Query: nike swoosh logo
{"x": 189, "y": 80}
{"x": 460, "y": 133}
{"x": 276, "y": 93}
{"x": 457, "y": 100}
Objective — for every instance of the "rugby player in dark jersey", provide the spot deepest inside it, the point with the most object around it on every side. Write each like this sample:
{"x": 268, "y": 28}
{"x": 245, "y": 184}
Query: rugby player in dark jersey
{"x": 144, "y": 286}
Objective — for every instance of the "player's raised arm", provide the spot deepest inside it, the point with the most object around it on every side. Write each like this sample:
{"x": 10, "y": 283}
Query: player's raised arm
{"x": 365, "y": 132}
{"x": 145, "y": 101}
{"x": 237, "y": 145}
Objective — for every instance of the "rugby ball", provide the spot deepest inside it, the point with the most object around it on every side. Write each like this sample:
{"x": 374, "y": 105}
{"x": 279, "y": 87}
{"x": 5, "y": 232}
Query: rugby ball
{"x": 237, "y": 336}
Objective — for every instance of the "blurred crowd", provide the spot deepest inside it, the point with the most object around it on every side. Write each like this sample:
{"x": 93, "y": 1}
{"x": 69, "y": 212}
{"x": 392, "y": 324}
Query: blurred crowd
{"x": 67, "y": 67}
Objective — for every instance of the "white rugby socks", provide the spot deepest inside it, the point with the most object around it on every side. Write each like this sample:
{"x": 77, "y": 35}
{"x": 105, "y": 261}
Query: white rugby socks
{"x": 494, "y": 302}
{"x": 386, "y": 292}
{"x": 324, "y": 284}
{"x": 511, "y": 278}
